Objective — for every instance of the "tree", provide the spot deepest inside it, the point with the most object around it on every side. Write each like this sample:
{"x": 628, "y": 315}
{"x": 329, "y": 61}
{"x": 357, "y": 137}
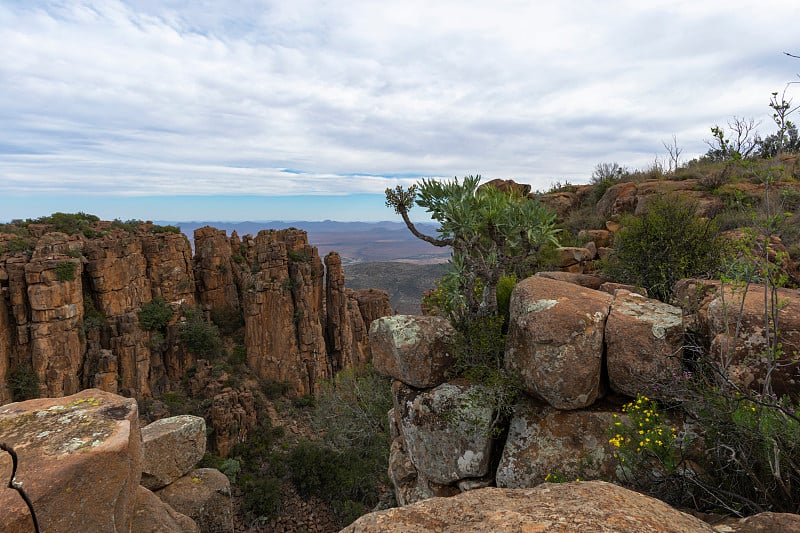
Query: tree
{"x": 492, "y": 233}
{"x": 742, "y": 141}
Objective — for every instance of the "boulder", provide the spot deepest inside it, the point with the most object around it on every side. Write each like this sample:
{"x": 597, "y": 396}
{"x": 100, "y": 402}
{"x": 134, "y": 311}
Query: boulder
{"x": 594, "y": 506}
{"x": 204, "y": 495}
{"x": 602, "y": 238}
{"x": 407, "y": 484}
{"x": 766, "y": 523}
{"x": 80, "y": 461}
{"x": 413, "y": 349}
{"x": 555, "y": 340}
{"x": 151, "y": 515}
{"x": 543, "y": 441}
{"x": 570, "y": 255}
{"x": 445, "y": 430}
{"x": 644, "y": 344}
{"x": 715, "y": 311}
{"x": 172, "y": 446}
{"x": 584, "y": 280}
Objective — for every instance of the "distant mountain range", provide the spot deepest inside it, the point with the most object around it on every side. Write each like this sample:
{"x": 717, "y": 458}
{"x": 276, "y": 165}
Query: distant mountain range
{"x": 356, "y": 242}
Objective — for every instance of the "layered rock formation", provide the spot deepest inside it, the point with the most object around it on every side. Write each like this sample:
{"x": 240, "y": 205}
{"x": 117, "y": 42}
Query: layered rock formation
{"x": 69, "y": 304}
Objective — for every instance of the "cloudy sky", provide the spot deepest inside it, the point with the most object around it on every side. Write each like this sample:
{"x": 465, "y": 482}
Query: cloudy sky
{"x": 309, "y": 109}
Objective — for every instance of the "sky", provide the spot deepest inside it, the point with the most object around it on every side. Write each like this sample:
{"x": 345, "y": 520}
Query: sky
{"x": 309, "y": 109}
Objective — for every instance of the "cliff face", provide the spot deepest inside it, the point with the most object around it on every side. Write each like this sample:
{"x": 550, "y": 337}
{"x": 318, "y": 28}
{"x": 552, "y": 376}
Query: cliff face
{"x": 70, "y": 303}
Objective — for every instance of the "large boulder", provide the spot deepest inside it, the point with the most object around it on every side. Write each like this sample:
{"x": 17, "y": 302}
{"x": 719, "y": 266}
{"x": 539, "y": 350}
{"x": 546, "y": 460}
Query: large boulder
{"x": 555, "y": 340}
{"x": 446, "y": 430}
{"x": 172, "y": 447}
{"x": 644, "y": 344}
{"x": 594, "y": 506}
{"x": 544, "y": 441}
{"x": 152, "y": 515}
{"x": 80, "y": 461}
{"x": 733, "y": 319}
{"x": 204, "y": 495}
{"x": 413, "y": 349}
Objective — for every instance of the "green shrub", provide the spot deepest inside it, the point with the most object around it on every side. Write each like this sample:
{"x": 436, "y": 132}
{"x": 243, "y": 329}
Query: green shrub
{"x": 65, "y": 271}
{"x": 70, "y": 223}
{"x": 666, "y": 244}
{"x": 298, "y": 256}
{"x": 201, "y": 338}
{"x": 261, "y": 495}
{"x": 347, "y": 468}
{"x": 238, "y": 355}
{"x": 155, "y": 314}
{"x": 23, "y": 383}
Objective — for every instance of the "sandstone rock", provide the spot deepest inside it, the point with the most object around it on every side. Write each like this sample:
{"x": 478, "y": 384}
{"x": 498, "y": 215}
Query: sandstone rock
{"x": 408, "y": 487}
{"x": 644, "y": 344}
{"x": 714, "y": 312}
{"x": 413, "y": 349}
{"x": 172, "y": 446}
{"x": 445, "y": 430}
{"x": 345, "y": 331}
{"x": 80, "y": 461}
{"x": 508, "y": 186}
{"x": 56, "y": 313}
{"x": 555, "y": 340}
{"x": 543, "y": 441}
{"x": 567, "y": 256}
{"x": 766, "y": 523}
{"x": 151, "y": 515}
{"x": 214, "y": 267}
{"x": 232, "y": 417}
{"x": 373, "y": 304}
{"x": 284, "y": 325}
{"x": 560, "y": 202}
{"x": 611, "y": 288}
{"x": 204, "y": 495}
{"x": 593, "y": 506}
{"x": 584, "y": 280}
{"x": 602, "y": 238}
{"x": 618, "y": 199}
{"x": 5, "y": 349}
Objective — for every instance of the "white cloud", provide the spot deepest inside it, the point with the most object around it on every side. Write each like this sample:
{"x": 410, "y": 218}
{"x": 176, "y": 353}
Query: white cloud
{"x": 179, "y": 97}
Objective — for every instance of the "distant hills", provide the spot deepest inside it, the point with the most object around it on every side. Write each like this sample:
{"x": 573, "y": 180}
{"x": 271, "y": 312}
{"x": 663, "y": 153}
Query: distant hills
{"x": 356, "y": 242}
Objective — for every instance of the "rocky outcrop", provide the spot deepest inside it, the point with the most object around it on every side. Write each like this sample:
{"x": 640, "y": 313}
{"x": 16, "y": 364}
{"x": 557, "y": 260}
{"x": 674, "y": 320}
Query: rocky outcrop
{"x": 732, "y": 319}
{"x": 412, "y": 349}
{"x": 585, "y": 506}
{"x": 69, "y": 307}
{"x": 80, "y": 462}
{"x": 152, "y": 515}
{"x": 543, "y": 441}
{"x": 569, "y": 344}
{"x": 204, "y": 495}
{"x": 555, "y": 340}
{"x": 232, "y": 416}
{"x": 446, "y": 431}
{"x": 644, "y": 344}
{"x": 172, "y": 446}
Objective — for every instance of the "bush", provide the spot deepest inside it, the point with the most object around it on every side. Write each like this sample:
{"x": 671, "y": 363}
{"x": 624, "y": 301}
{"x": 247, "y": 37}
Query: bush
{"x": 23, "y": 383}
{"x": 668, "y": 243}
{"x": 201, "y": 338}
{"x": 347, "y": 468}
{"x": 65, "y": 271}
{"x": 70, "y": 223}
{"x": 155, "y": 314}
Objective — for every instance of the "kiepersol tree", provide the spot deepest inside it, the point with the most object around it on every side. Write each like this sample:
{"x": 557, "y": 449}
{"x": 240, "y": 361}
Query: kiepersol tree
{"x": 492, "y": 233}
